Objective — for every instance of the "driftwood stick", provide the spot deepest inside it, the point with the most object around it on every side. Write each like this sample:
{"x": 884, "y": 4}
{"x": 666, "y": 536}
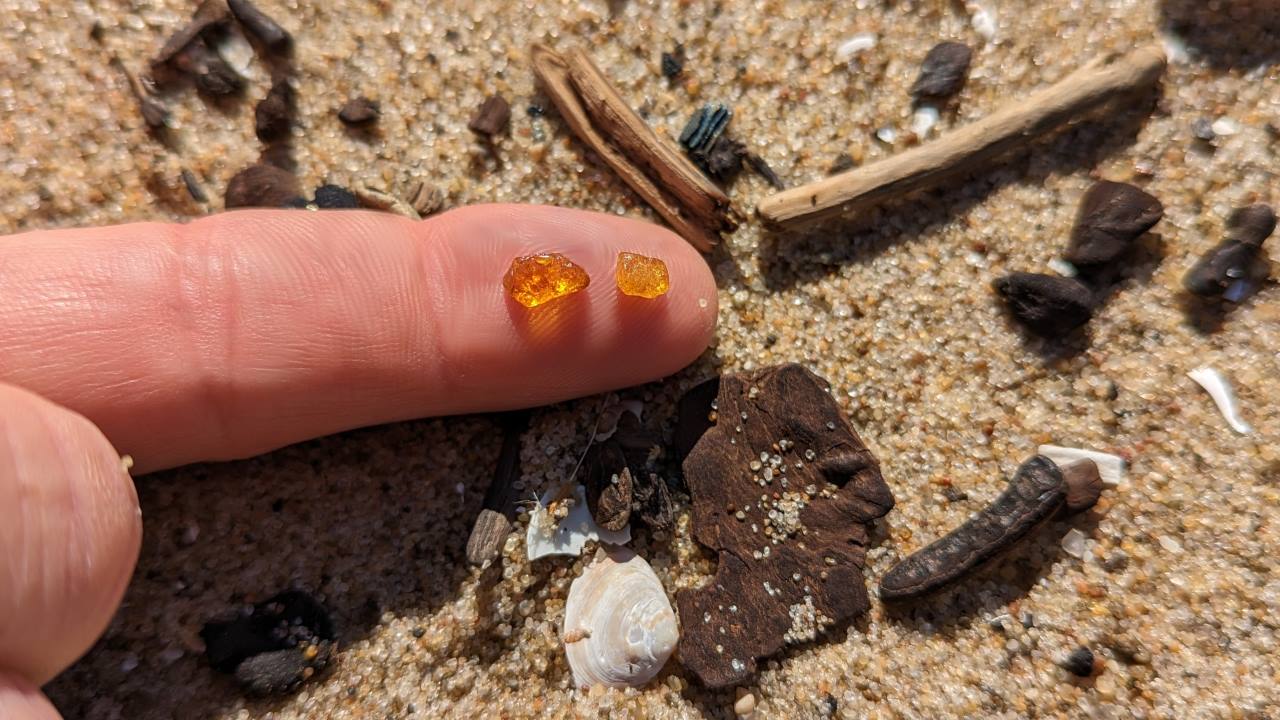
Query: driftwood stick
{"x": 968, "y": 148}
{"x": 493, "y": 524}
{"x": 671, "y": 184}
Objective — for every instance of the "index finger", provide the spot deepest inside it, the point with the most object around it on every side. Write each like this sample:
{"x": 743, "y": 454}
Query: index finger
{"x": 246, "y": 331}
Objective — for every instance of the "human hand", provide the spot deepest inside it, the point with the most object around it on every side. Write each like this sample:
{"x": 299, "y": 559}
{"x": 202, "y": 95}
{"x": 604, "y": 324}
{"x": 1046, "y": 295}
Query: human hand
{"x": 243, "y": 332}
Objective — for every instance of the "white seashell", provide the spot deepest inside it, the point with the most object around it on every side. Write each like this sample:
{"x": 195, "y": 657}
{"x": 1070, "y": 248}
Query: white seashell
{"x": 236, "y": 50}
{"x": 619, "y": 628}
{"x": 1110, "y": 467}
{"x": 925, "y": 117}
{"x": 546, "y": 537}
{"x": 1063, "y": 268}
{"x": 854, "y": 45}
{"x": 1220, "y": 390}
{"x": 983, "y": 19}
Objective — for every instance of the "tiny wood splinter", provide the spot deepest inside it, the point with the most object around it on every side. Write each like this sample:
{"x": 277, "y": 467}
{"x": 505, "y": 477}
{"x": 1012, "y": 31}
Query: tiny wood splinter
{"x": 969, "y": 147}
{"x": 1038, "y": 490}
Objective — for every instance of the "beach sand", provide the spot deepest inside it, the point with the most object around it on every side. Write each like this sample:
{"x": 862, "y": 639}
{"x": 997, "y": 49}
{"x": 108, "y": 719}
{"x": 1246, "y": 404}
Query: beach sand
{"x": 1176, "y": 589}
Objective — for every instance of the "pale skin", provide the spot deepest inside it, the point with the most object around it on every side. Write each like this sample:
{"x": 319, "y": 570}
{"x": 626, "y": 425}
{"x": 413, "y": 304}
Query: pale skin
{"x": 243, "y": 332}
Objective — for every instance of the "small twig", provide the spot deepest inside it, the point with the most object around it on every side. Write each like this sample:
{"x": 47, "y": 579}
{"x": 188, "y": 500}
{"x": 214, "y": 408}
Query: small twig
{"x": 969, "y": 147}
{"x": 652, "y": 167}
{"x": 494, "y": 521}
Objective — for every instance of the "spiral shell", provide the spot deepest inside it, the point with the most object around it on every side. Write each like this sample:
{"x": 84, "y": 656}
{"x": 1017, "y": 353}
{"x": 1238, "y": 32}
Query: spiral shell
{"x": 619, "y": 628}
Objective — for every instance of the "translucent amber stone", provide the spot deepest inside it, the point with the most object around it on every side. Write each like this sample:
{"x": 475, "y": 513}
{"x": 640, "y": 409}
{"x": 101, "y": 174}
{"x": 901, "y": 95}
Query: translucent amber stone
{"x": 642, "y": 276}
{"x": 533, "y": 280}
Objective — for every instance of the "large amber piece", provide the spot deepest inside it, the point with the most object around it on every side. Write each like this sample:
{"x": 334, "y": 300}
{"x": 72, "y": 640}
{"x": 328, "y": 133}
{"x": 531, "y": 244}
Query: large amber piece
{"x": 534, "y": 280}
{"x": 642, "y": 276}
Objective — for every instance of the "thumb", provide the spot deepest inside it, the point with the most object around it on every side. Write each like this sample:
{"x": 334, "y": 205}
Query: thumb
{"x": 20, "y": 700}
{"x": 70, "y": 531}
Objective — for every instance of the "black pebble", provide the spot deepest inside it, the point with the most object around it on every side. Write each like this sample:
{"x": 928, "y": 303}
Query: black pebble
{"x": 1112, "y": 216}
{"x": 284, "y": 641}
{"x": 943, "y": 72}
{"x": 335, "y": 197}
{"x": 1252, "y": 224}
{"x": 360, "y": 111}
{"x": 1079, "y": 662}
{"x": 261, "y": 185}
{"x": 273, "y": 117}
{"x": 673, "y": 63}
{"x": 1048, "y": 305}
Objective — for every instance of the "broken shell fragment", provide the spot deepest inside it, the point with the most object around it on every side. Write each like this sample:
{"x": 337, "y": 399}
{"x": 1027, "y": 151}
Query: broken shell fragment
{"x": 1216, "y": 384}
{"x": 619, "y": 628}
{"x": 547, "y": 536}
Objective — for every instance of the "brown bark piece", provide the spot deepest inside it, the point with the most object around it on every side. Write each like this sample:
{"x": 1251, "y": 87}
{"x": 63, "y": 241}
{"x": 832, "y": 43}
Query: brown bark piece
{"x": 493, "y": 524}
{"x": 791, "y": 565}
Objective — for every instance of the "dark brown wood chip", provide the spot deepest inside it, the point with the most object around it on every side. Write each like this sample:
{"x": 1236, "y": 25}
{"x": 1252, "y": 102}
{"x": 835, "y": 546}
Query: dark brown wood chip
{"x": 1112, "y": 217}
{"x": 493, "y": 524}
{"x": 261, "y": 186}
{"x": 360, "y": 111}
{"x": 492, "y": 117}
{"x": 261, "y": 26}
{"x": 1048, "y": 305}
{"x": 791, "y": 565}
{"x": 943, "y": 72}
{"x": 209, "y": 15}
{"x": 273, "y": 117}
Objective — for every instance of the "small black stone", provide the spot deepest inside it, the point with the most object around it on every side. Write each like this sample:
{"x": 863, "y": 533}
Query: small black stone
{"x": 281, "y": 643}
{"x": 1230, "y": 262}
{"x": 943, "y": 72}
{"x": 360, "y": 111}
{"x": 1079, "y": 662}
{"x": 673, "y": 62}
{"x": 1048, "y": 305}
{"x": 1203, "y": 130}
{"x": 843, "y": 162}
{"x": 335, "y": 197}
{"x": 1252, "y": 224}
{"x": 1112, "y": 217}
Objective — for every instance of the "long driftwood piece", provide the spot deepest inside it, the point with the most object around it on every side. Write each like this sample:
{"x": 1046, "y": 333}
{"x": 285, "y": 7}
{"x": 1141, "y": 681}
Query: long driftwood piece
{"x": 969, "y": 147}
{"x": 652, "y": 167}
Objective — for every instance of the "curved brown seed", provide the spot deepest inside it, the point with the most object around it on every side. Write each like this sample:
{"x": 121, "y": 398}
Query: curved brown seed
{"x": 1036, "y": 491}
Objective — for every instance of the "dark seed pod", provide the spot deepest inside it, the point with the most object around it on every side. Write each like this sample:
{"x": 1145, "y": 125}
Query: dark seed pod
{"x": 261, "y": 186}
{"x": 1036, "y": 492}
{"x": 608, "y": 485}
{"x": 1112, "y": 217}
{"x": 1048, "y": 305}
{"x": 360, "y": 111}
{"x": 1083, "y": 483}
{"x": 273, "y": 117}
{"x": 261, "y": 26}
{"x": 1225, "y": 271}
{"x": 1252, "y": 224}
{"x": 943, "y": 72}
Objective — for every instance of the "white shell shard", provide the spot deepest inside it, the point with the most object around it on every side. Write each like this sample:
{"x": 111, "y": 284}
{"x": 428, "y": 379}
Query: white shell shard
{"x": 854, "y": 45}
{"x": 620, "y": 620}
{"x": 546, "y": 537}
{"x": 1220, "y": 390}
{"x": 1063, "y": 268}
{"x": 235, "y": 49}
{"x": 1110, "y": 467}
{"x": 983, "y": 20}
{"x": 925, "y": 117}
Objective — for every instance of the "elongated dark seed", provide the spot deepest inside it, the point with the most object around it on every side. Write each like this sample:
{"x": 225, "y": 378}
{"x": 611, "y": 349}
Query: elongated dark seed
{"x": 1252, "y": 224}
{"x": 1036, "y": 492}
{"x": 261, "y": 25}
{"x": 943, "y": 72}
{"x": 1112, "y": 217}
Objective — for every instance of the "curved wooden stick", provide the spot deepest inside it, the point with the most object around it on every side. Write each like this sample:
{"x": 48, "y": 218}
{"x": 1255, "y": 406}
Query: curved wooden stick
{"x": 970, "y": 146}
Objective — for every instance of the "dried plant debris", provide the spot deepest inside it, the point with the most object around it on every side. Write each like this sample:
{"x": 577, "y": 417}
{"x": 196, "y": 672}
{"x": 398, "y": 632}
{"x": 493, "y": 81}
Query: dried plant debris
{"x": 842, "y": 162}
{"x": 360, "y": 112}
{"x": 702, "y": 130}
{"x": 1236, "y": 267}
{"x": 673, "y": 63}
{"x": 155, "y": 115}
{"x": 1113, "y": 215}
{"x": 335, "y": 197}
{"x": 261, "y": 26}
{"x": 426, "y": 199}
{"x": 762, "y": 169}
{"x": 620, "y": 484}
{"x": 1039, "y": 490}
{"x": 784, "y": 491}
{"x": 210, "y": 16}
{"x": 494, "y": 522}
{"x": 279, "y": 644}
{"x": 273, "y": 117}
{"x": 943, "y": 72}
{"x": 608, "y": 483}
{"x": 373, "y": 198}
{"x": 667, "y": 180}
{"x": 1048, "y": 305}
{"x": 263, "y": 186}
{"x": 191, "y": 51}
{"x": 193, "y": 186}
{"x": 491, "y": 118}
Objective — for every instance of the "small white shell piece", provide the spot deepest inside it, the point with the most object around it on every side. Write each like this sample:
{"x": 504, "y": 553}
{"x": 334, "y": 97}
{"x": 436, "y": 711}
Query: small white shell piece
{"x": 1220, "y": 390}
{"x": 619, "y": 628}
{"x": 546, "y": 537}
{"x": 1110, "y": 467}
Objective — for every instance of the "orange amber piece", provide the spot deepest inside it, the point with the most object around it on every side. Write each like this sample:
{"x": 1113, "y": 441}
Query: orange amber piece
{"x": 533, "y": 280}
{"x": 642, "y": 276}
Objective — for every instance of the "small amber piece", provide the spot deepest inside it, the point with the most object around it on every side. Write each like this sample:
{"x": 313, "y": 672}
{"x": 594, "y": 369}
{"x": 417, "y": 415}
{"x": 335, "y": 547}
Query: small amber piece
{"x": 533, "y": 280}
{"x": 642, "y": 276}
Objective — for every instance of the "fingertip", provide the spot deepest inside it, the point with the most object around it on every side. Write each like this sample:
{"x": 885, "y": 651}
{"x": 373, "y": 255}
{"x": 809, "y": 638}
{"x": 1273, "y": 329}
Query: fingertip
{"x": 20, "y": 700}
